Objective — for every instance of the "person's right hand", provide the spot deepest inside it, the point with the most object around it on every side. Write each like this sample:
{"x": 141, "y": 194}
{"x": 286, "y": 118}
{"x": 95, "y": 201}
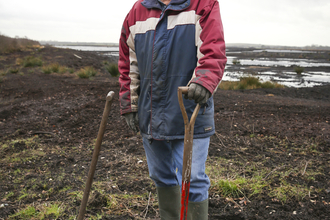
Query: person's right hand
{"x": 198, "y": 93}
{"x": 132, "y": 120}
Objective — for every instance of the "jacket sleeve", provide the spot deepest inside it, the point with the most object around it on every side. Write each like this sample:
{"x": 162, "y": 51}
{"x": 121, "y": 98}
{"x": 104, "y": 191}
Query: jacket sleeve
{"x": 129, "y": 79}
{"x": 211, "y": 51}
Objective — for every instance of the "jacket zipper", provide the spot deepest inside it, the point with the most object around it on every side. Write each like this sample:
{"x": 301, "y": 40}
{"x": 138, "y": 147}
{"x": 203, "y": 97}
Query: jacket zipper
{"x": 153, "y": 46}
{"x": 163, "y": 11}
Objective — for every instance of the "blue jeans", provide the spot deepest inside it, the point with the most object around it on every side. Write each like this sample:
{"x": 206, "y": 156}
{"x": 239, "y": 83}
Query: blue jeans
{"x": 165, "y": 165}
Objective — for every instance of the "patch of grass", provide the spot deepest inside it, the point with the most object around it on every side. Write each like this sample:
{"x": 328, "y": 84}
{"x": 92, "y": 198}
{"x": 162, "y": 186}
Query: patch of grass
{"x": 97, "y": 217}
{"x": 18, "y": 171}
{"x": 31, "y": 61}
{"x": 249, "y": 82}
{"x": 46, "y": 69}
{"x": 287, "y": 191}
{"x": 229, "y": 187}
{"x": 235, "y": 179}
{"x": 3, "y": 73}
{"x": 271, "y": 85}
{"x": 86, "y": 72}
{"x": 112, "y": 69}
{"x": 299, "y": 70}
{"x": 65, "y": 189}
{"x": 19, "y": 61}
{"x": 27, "y": 213}
{"x": 42, "y": 211}
{"x": 50, "y": 210}
{"x": 76, "y": 194}
{"x": 23, "y": 195}
{"x": 27, "y": 153}
{"x": 9, "y": 194}
{"x": 54, "y": 67}
{"x": 90, "y": 71}
{"x": 62, "y": 69}
{"x": 236, "y": 62}
{"x": 71, "y": 70}
{"x": 239, "y": 186}
{"x": 13, "y": 70}
{"x": 115, "y": 202}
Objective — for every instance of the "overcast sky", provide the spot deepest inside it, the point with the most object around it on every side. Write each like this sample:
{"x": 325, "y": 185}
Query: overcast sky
{"x": 281, "y": 22}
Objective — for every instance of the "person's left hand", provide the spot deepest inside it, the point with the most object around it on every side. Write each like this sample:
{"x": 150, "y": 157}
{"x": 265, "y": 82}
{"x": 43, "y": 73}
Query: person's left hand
{"x": 198, "y": 93}
{"x": 132, "y": 120}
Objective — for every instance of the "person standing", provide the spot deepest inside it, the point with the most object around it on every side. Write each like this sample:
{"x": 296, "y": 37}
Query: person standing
{"x": 165, "y": 44}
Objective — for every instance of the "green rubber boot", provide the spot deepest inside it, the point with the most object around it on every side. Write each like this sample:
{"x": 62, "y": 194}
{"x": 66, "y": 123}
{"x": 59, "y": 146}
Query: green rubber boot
{"x": 198, "y": 210}
{"x": 169, "y": 202}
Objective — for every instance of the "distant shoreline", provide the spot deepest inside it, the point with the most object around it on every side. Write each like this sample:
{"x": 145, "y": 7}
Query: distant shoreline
{"x": 228, "y": 45}
{"x": 59, "y": 43}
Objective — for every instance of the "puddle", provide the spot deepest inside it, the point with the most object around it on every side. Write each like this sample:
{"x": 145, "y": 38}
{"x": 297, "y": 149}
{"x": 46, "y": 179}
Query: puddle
{"x": 285, "y": 62}
{"x": 271, "y": 51}
{"x": 282, "y": 51}
{"x": 92, "y": 48}
{"x": 279, "y": 69}
{"x": 116, "y": 54}
{"x": 107, "y": 51}
{"x": 290, "y": 79}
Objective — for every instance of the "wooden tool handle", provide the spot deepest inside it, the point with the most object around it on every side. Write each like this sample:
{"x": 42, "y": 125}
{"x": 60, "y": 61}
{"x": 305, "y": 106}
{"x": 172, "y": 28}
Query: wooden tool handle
{"x": 187, "y": 152}
{"x": 184, "y": 89}
{"x": 96, "y": 153}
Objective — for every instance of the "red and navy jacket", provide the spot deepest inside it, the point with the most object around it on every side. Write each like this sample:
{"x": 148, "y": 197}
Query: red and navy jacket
{"x": 164, "y": 47}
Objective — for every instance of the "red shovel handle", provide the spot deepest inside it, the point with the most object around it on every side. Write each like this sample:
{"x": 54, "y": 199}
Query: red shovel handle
{"x": 187, "y": 152}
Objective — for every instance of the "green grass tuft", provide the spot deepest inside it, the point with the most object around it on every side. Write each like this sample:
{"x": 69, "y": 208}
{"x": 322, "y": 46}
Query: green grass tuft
{"x": 299, "y": 69}
{"x": 43, "y": 211}
{"x": 13, "y": 70}
{"x": 31, "y": 61}
{"x": 249, "y": 82}
{"x": 46, "y": 69}
{"x": 87, "y": 72}
{"x": 54, "y": 210}
{"x": 236, "y": 62}
{"x": 112, "y": 69}
{"x": 62, "y": 69}
{"x": 228, "y": 188}
{"x": 71, "y": 70}
{"x": 27, "y": 213}
{"x": 54, "y": 67}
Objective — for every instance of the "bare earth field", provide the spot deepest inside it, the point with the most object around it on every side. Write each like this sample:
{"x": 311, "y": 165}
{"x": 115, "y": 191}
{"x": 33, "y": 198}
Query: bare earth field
{"x": 269, "y": 159}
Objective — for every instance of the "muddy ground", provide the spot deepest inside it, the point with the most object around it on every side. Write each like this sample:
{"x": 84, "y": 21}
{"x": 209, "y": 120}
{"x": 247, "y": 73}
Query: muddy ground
{"x": 269, "y": 159}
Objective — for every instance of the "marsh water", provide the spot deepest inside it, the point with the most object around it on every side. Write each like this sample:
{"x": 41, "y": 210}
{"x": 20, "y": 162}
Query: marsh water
{"x": 277, "y": 65}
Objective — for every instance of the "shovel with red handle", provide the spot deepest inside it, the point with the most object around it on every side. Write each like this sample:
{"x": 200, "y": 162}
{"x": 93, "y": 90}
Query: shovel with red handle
{"x": 187, "y": 152}
{"x": 96, "y": 153}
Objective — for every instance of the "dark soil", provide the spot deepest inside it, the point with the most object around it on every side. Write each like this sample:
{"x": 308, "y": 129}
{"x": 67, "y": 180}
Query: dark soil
{"x": 49, "y": 123}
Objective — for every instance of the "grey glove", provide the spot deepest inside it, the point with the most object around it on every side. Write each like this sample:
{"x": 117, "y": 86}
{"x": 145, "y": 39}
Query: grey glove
{"x": 198, "y": 93}
{"x": 132, "y": 120}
